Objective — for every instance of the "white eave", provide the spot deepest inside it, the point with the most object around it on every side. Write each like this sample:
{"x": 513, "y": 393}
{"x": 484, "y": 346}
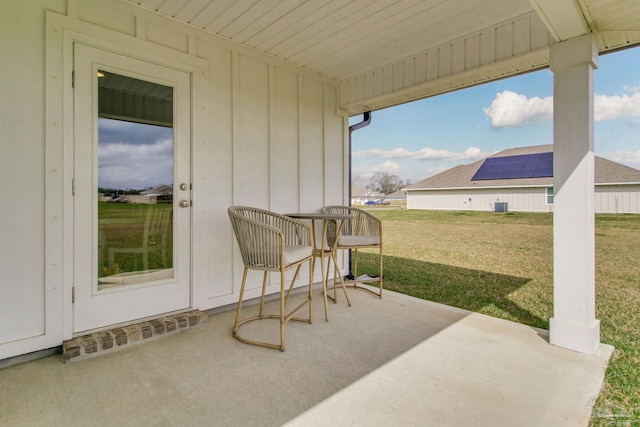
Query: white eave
{"x": 479, "y": 188}
{"x": 388, "y": 52}
{"x": 512, "y": 186}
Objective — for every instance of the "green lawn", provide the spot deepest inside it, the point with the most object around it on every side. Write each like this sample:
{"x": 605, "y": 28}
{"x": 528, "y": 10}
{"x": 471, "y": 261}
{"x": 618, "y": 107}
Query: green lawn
{"x": 121, "y": 235}
{"x": 501, "y": 265}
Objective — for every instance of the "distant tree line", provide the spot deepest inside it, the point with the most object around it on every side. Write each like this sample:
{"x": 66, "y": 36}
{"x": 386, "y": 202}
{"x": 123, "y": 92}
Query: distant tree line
{"x": 382, "y": 182}
{"x": 118, "y": 191}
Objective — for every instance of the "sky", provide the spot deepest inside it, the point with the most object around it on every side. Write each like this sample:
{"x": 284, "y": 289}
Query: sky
{"x": 134, "y": 155}
{"x": 419, "y": 139}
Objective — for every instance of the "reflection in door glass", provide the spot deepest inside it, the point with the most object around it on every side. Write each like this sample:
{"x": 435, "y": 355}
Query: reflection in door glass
{"x": 135, "y": 181}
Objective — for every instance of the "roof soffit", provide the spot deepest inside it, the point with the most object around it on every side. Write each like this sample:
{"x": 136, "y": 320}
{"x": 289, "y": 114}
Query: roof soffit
{"x": 563, "y": 18}
{"x": 339, "y": 38}
{"x": 376, "y": 49}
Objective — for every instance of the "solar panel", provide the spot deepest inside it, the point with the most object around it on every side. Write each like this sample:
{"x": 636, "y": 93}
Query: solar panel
{"x": 538, "y": 165}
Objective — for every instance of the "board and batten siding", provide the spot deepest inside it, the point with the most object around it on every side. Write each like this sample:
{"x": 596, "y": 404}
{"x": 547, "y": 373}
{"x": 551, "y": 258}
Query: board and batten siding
{"x": 266, "y": 134}
{"x": 482, "y": 199}
{"x": 617, "y": 199}
{"x": 608, "y": 198}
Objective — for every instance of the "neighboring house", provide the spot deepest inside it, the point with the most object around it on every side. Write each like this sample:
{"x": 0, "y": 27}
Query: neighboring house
{"x": 360, "y": 196}
{"x": 397, "y": 198}
{"x": 504, "y": 181}
{"x": 160, "y": 190}
{"x": 157, "y": 194}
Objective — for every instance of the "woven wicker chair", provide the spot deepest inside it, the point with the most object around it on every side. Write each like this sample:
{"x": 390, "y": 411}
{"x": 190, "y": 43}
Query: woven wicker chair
{"x": 363, "y": 231}
{"x": 271, "y": 242}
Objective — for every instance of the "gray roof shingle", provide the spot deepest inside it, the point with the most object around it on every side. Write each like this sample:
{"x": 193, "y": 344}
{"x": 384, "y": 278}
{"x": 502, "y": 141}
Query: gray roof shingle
{"x": 606, "y": 172}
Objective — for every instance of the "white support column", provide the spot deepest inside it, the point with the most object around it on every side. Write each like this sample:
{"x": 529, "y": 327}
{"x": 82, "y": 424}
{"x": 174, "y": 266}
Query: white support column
{"x": 574, "y": 325}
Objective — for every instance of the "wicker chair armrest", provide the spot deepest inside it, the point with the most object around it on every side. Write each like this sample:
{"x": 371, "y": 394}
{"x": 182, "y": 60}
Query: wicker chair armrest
{"x": 363, "y": 223}
{"x": 261, "y": 245}
{"x": 371, "y": 225}
{"x": 262, "y": 236}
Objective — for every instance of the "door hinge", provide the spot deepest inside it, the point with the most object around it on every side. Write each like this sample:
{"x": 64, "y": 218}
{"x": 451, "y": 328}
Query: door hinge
{"x": 73, "y": 187}
{"x": 73, "y": 79}
{"x": 73, "y": 295}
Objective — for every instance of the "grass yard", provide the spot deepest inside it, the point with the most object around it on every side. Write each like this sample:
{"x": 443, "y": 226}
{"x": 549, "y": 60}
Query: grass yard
{"x": 501, "y": 265}
{"x": 130, "y": 234}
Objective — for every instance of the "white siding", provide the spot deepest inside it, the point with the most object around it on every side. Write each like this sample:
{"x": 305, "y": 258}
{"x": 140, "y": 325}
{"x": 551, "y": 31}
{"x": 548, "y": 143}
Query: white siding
{"x": 285, "y": 120}
{"x": 311, "y": 145}
{"x": 268, "y": 134}
{"x": 251, "y": 132}
{"x": 608, "y": 199}
{"x": 483, "y": 199}
{"x": 23, "y": 296}
{"x": 617, "y": 198}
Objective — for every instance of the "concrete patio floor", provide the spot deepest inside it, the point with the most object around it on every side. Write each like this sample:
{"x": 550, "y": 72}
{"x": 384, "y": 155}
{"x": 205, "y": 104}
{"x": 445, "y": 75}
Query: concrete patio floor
{"x": 395, "y": 361}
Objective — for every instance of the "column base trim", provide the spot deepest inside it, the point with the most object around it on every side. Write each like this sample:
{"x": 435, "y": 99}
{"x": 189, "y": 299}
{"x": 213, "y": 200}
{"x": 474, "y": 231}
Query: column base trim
{"x": 580, "y": 338}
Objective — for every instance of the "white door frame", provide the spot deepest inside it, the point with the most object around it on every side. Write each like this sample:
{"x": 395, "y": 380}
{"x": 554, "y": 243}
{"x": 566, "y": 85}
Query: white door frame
{"x": 149, "y": 297}
{"x": 62, "y": 33}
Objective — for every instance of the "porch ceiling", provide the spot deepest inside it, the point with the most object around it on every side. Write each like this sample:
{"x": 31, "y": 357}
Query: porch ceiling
{"x": 344, "y": 39}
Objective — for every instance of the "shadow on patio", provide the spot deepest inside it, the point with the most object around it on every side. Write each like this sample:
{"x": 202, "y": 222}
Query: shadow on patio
{"x": 395, "y": 361}
{"x": 475, "y": 290}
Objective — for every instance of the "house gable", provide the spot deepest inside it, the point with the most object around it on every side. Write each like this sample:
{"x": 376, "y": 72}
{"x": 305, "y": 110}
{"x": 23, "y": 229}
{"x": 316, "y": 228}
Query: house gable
{"x": 462, "y": 176}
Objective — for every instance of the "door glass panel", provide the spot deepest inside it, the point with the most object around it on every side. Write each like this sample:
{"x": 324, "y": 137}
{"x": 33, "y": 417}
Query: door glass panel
{"x": 135, "y": 181}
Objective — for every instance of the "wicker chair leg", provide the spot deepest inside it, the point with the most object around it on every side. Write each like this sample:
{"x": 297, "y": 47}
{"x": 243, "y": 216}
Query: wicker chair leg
{"x": 380, "y": 282}
{"x": 293, "y": 281}
{"x": 337, "y": 277}
{"x": 311, "y": 290}
{"x": 239, "y": 309}
{"x": 282, "y": 305}
{"x": 355, "y": 267}
{"x": 324, "y": 294}
{"x": 264, "y": 288}
{"x": 354, "y": 283}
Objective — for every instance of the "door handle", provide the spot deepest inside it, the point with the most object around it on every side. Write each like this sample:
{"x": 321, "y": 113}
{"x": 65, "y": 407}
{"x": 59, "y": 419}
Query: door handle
{"x": 184, "y": 203}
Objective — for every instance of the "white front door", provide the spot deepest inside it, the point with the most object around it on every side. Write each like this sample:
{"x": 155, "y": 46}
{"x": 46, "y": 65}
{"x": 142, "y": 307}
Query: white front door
{"x": 132, "y": 189}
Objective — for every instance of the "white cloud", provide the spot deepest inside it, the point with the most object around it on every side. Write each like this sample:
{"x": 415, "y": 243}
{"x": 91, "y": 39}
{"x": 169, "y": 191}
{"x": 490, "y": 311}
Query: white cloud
{"x": 388, "y": 166}
{"x": 388, "y": 154}
{"x": 426, "y": 153}
{"x": 616, "y": 107}
{"x": 510, "y": 109}
{"x": 124, "y": 165}
{"x": 631, "y": 88}
{"x": 471, "y": 153}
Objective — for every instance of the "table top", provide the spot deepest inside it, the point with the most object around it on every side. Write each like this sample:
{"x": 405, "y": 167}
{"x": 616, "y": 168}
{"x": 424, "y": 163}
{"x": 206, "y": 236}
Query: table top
{"x": 318, "y": 215}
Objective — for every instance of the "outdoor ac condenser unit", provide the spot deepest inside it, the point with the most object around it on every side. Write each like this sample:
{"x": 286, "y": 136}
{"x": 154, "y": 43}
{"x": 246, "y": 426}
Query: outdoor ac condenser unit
{"x": 500, "y": 207}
